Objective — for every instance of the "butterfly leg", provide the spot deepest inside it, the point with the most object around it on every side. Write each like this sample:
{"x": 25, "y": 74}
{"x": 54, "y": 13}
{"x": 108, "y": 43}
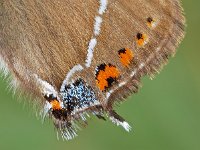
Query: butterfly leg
{"x": 100, "y": 116}
{"x": 98, "y": 112}
{"x": 118, "y": 120}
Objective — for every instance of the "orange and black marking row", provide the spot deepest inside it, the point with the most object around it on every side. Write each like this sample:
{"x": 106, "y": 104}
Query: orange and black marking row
{"x": 126, "y": 56}
{"x": 141, "y": 38}
{"x": 106, "y": 75}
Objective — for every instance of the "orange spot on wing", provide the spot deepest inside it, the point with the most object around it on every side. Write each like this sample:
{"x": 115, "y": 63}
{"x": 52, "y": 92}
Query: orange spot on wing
{"x": 55, "y": 104}
{"x": 142, "y": 39}
{"x": 151, "y": 23}
{"x": 112, "y": 71}
{"x": 103, "y": 76}
{"x": 102, "y": 83}
{"x": 126, "y": 57}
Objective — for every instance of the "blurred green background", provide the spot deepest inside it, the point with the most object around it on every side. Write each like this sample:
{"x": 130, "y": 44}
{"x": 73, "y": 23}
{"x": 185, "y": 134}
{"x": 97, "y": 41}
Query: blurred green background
{"x": 165, "y": 114}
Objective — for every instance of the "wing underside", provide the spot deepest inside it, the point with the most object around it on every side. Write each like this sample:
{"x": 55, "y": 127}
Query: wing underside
{"x": 137, "y": 37}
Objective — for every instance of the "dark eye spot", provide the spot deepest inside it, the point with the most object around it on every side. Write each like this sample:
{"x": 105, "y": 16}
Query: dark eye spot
{"x": 99, "y": 68}
{"x": 122, "y": 51}
{"x": 149, "y": 19}
{"x": 110, "y": 80}
{"x": 139, "y": 36}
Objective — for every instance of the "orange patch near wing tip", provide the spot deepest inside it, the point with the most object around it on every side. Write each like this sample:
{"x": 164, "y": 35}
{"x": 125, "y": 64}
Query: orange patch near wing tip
{"x": 109, "y": 72}
{"x": 55, "y": 104}
{"x": 126, "y": 57}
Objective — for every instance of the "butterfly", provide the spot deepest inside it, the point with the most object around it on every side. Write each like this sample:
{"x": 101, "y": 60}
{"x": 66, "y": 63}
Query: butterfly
{"x": 80, "y": 58}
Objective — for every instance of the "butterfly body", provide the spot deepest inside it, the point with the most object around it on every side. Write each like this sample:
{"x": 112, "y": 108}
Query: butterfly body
{"x": 82, "y": 57}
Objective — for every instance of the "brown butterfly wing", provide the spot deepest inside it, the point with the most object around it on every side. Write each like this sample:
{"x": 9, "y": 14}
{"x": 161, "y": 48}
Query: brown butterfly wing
{"x": 49, "y": 38}
{"x": 150, "y": 29}
{"x": 46, "y": 38}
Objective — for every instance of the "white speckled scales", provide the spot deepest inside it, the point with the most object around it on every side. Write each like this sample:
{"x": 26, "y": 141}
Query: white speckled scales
{"x": 101, "y": 46}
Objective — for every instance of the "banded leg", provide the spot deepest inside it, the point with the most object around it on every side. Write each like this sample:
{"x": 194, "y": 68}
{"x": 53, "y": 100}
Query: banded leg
{"x": 118, "y": 120}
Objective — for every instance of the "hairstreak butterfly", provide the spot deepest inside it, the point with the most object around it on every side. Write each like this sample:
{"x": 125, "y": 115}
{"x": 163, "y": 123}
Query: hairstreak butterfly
{"x": 81, "y": 57}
